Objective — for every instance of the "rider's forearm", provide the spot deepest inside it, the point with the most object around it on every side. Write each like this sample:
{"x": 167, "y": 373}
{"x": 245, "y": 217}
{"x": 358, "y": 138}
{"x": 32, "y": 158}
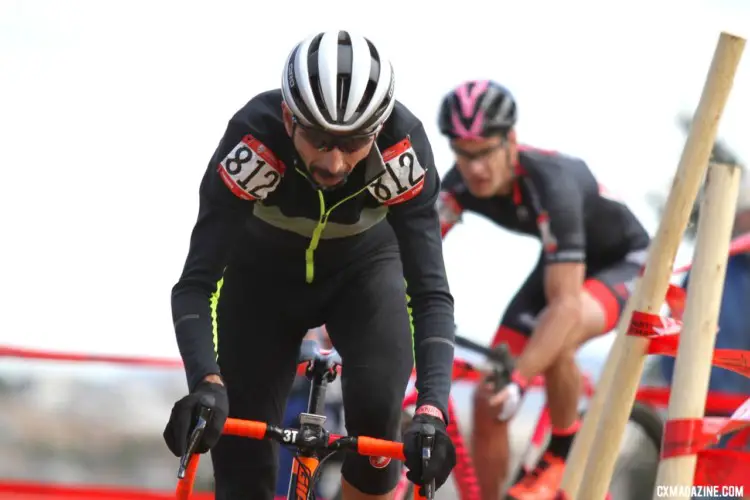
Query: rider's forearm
{"x": 434, "y": 366}
{"x": 193, "y": 327}
{"x": 433, "y": 323}
{"x": 547, "y": 341}
{"x": 212, "y": 237}
{"x": 417, "y": 227}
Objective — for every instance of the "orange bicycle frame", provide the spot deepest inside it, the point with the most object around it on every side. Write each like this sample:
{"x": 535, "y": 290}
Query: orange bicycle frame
{"x": 363, "y": 445}
{"x": 303, "y": 470}
{"x": 311, "y": 440}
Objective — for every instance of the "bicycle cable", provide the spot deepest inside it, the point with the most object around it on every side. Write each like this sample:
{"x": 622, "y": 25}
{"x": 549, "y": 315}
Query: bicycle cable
{"x": 313, "y": 481}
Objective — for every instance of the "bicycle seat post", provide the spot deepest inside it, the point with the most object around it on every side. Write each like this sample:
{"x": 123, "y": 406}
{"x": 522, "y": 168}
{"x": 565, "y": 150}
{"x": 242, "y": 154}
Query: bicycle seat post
{"x": 317, "y": 373}
{"x": 321, "y": 369}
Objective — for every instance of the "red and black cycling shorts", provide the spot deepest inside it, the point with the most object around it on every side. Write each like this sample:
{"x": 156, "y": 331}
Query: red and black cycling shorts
{"x": 609, "y": 284}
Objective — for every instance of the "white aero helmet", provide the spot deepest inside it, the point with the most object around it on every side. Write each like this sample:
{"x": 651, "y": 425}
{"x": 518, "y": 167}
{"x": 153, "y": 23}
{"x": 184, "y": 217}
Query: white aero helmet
{"x": 338, "y": 82}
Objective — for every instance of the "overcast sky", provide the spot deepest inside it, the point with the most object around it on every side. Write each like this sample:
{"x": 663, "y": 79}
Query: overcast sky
{"x": 109, "y": 112}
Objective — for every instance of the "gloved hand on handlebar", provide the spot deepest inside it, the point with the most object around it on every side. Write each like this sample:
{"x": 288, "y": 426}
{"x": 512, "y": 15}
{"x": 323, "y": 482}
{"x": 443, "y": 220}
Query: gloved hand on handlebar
{"x": 443, "y": 456}
{"x": 185, "y": 411}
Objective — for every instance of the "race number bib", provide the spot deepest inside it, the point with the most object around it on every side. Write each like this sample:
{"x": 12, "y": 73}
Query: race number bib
{"x": 403, "y": 178}
{"x": 250, "y": 170}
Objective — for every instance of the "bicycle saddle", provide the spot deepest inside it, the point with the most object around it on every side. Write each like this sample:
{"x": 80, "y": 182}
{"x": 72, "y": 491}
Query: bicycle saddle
{"x": 310, "y": 350}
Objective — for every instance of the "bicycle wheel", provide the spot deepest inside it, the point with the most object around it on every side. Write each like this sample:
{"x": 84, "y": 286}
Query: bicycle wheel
{"x": 634, "y": 476}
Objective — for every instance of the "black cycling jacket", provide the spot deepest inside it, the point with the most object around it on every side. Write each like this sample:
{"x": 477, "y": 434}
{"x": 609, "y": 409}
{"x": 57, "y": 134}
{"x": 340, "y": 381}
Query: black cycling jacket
{"x": 258, "y": 208}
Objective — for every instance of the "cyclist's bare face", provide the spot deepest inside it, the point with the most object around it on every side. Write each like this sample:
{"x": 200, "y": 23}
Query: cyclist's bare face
{"x": 327, "y": 168}
{"x": 486, "y": 164}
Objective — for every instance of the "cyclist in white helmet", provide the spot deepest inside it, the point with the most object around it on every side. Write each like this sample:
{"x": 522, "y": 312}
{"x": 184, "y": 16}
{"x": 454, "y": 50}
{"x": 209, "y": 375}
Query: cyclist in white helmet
{"x": 317, "y": 207}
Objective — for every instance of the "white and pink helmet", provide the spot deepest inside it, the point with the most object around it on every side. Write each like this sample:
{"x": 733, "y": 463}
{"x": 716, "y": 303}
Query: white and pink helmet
{"x": 476, "y": 109}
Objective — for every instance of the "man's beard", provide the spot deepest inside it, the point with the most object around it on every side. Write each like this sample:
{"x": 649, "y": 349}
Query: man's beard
{"x": 338, "y": 180}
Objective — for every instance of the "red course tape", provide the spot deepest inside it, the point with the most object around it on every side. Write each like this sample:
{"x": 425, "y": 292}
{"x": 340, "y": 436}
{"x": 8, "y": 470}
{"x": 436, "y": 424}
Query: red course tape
{"x": 716, "y": 402}
{"x": 731, "y": 359}
{"x": 690, "y": 436}
{"x": 723, "y": 468}
{"x": 726, "y": 467}
{"x": 652, "y": 325}
{"x": 714, "y": 467}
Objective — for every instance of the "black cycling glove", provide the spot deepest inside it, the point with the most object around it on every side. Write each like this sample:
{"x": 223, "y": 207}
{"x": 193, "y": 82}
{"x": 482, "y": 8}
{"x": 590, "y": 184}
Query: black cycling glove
{"x": 185, "y": 413}
{"x": 443, "y": 457}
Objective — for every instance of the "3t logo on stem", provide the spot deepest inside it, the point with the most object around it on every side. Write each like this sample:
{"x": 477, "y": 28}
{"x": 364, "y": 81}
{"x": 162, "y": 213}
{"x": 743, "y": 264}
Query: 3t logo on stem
{"x": 290, "y": 436}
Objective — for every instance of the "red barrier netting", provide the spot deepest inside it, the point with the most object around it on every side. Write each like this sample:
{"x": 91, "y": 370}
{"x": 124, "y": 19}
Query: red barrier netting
{"x": 720, "y": 467}
{"x": 26, "y": 490}
{"x": 24, "y": 353}
{"x": 688, "y": 436}
{"x": 699, "y": 435}
{"x": 36, "y": 491}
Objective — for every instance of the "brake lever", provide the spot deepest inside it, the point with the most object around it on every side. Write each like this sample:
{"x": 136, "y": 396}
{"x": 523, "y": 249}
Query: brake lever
{"x": 427, "y": 441}
{"x": 499, "y": 357}
{"x": 502, "y": 366}
{"x": 195, "y": 437}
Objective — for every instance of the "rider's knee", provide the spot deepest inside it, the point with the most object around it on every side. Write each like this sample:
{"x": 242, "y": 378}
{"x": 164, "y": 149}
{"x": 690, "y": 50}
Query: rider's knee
{"x": 564, "y": 363}
{"x": 378, "y": 415}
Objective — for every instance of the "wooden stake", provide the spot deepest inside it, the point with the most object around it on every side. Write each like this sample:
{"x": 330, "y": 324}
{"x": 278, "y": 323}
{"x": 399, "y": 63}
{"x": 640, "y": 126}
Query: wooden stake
{"x": 693, "y": 364}
{"x": 687, "y": 180}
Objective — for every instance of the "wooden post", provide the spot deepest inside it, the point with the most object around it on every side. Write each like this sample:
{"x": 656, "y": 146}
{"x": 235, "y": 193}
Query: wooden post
{"x": 687, "y": 180}
{"x": 576, "y": 461}
{"x": 693, "y": 364}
